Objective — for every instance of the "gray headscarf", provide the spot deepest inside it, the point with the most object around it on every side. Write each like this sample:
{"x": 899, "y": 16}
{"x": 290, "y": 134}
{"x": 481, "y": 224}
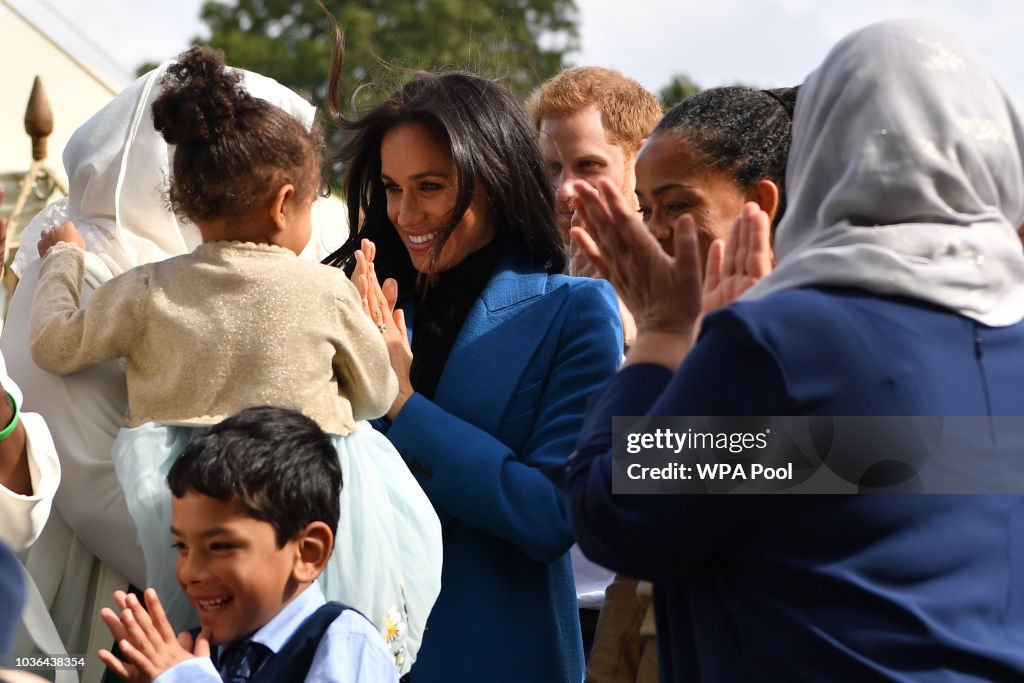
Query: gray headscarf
{"x": 906, "y": 177}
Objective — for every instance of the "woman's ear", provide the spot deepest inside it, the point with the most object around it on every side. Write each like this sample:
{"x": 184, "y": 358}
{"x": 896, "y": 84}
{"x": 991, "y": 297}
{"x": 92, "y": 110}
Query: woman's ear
{"x": 766, "y": 194}
{"x": 279, "y": 205}
{"x": 313, "y": 547}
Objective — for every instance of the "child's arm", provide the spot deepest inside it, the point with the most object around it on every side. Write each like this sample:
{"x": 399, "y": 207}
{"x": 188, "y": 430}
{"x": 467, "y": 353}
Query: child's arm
{"x": 65, "y": 338}
{"x": 65, "y": 232}
{"x": 149, "y": 643}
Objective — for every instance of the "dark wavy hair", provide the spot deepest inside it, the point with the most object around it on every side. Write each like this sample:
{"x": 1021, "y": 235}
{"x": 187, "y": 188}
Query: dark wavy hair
{"x": 494, "y": 149}
{"x": 276, "y": 463}
{"x": 740, "y": 131}
{"x": 232, "y": 149}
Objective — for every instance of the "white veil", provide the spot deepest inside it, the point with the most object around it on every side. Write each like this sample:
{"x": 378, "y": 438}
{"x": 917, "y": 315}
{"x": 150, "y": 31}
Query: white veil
{"x": 118, "y": 166}
{"x": 387, "y": 559}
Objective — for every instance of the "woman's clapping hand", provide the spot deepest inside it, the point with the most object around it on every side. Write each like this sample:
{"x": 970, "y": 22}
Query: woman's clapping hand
{"x": 379, "y": 304}
{"x": 734, "y": 266}
{"x": 665, "y": 293}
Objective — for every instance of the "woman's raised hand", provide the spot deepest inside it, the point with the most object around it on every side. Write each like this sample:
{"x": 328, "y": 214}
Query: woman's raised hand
{"x": 364, "y": 276}
{"x": 379, "y": 304}
{"x": 662, "y": 291}
{"x": 735, "y": 266}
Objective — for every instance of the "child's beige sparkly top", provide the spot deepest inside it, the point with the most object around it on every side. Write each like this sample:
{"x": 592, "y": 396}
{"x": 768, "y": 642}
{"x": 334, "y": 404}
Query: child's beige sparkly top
{"x": 228, "y": 326}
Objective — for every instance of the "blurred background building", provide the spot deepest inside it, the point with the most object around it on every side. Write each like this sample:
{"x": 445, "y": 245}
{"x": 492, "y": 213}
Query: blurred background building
{"x": 67, "y": 92}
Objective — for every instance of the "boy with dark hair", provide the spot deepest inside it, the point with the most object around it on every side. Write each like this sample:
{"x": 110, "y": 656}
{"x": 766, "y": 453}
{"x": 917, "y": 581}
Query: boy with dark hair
{"x": 255, "y": 510}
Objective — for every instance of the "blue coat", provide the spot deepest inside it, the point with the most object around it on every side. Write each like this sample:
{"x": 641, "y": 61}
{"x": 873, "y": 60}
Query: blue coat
{"x": 509, "y": 401}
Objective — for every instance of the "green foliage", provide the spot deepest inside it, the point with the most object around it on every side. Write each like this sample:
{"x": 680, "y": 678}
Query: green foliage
{"x": 518, "y": 42}
{"x": 145, "y": 68}
{"x": 678, "y": 89}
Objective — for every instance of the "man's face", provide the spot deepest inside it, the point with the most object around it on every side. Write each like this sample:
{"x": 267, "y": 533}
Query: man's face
{"x": 575, "y": 147}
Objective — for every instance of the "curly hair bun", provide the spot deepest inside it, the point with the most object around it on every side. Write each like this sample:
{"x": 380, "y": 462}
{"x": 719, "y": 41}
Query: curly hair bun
{"x": 201, "y": 99}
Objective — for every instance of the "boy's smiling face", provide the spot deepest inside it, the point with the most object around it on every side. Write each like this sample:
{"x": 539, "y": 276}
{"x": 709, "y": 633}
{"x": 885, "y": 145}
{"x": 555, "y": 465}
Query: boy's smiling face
{"x": 230, "y": 566}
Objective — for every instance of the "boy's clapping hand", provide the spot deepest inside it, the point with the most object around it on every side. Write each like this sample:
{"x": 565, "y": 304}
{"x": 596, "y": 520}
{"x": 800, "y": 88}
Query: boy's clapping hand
{"x": 147, "y": 639}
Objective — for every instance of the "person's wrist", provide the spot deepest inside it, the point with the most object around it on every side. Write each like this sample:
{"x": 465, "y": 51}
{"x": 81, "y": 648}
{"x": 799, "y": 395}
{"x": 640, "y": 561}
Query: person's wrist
{"x": 6, "y": 407}
{"x": 8, "y": 415}
{"x": 667, "y": 348}
{"x": 399, "y": 403}
{"x": 675, "y": 326}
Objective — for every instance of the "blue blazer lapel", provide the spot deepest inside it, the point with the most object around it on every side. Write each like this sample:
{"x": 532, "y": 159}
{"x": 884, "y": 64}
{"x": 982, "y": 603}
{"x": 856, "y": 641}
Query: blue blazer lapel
{"x": 499, "y": 338}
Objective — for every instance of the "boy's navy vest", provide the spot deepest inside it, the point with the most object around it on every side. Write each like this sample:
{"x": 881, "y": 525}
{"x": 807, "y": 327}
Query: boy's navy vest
{"x": 291, "y": 663}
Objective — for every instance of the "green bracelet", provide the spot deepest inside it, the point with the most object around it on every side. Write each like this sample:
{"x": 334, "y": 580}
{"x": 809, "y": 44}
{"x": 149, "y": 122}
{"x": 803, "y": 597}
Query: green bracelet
{"x": 13, "y": 424}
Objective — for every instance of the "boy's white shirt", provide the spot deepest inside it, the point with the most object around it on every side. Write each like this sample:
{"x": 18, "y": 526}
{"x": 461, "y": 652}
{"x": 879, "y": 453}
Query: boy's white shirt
{"x": 350, "y": 651}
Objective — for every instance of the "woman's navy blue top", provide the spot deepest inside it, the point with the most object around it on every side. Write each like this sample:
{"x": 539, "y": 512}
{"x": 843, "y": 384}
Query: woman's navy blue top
{"x": 824, "y": 587}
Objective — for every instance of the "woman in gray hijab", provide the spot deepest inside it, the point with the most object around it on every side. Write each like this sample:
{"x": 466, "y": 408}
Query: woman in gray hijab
{"x": 899, "y": 291}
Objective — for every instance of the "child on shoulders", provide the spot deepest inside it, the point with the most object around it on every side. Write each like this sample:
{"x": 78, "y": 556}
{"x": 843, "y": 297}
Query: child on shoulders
{"x": 241, "y": 321}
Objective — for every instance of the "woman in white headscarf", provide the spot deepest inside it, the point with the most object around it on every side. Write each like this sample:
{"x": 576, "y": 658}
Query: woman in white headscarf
{"x": 899, "y": 291}
{"x": 117, "y": 167}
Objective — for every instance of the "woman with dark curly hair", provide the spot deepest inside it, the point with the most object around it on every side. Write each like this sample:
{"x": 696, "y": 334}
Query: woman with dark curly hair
{"x": 710, "y": 154}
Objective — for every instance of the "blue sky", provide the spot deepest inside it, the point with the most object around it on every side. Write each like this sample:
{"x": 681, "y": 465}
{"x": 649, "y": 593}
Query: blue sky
{"x": 758, "y": 42}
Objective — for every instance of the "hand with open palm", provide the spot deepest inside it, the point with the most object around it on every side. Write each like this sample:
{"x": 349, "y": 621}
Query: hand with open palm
{"x": 734, "y": 266}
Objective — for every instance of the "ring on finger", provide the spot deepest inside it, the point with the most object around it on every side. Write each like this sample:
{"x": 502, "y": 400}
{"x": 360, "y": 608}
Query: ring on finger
{"x": 383, "y": 327}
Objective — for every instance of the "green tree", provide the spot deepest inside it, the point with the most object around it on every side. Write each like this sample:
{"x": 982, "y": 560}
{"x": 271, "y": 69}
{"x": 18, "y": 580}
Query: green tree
{"x": 518, "y": 42}
{"x": 678, "y": 89}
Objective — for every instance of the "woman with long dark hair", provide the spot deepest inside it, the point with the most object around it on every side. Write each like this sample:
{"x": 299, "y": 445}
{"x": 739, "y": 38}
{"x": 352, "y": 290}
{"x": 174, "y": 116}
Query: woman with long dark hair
{"x": 446, "y": 181}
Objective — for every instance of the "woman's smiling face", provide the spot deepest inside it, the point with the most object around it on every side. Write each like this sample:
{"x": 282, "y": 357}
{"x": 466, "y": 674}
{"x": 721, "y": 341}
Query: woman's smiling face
{"x": 421, "y": 183}
{"x": 671, "y": 180}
